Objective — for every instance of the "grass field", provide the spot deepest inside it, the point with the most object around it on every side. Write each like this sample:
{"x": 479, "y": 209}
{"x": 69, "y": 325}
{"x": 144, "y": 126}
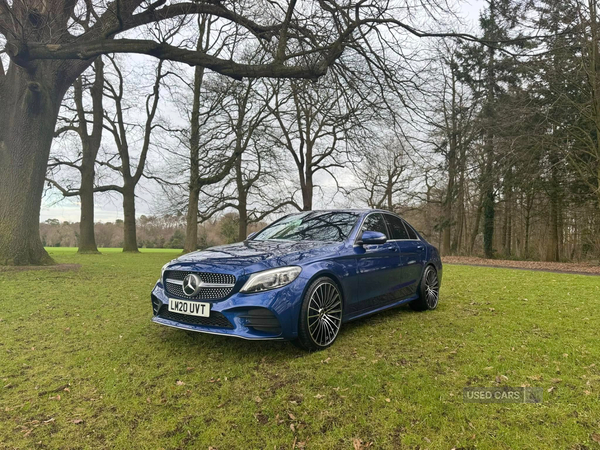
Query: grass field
{"x": 82, "y": 366}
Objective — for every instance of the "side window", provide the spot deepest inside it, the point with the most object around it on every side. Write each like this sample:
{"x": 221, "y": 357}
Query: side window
{"x": 374, "y": 222}
{"x": 411, "y": 233}
{"x": 396, "y": 226}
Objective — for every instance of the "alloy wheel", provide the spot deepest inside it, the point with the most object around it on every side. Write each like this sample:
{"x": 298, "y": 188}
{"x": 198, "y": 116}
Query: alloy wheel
{"x": 324, "y": 313}
{"x": 432, "y": 289}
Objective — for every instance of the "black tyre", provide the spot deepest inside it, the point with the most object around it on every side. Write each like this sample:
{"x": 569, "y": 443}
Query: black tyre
{"x": 429, "y": 291}
{"x": 320, "y": 316}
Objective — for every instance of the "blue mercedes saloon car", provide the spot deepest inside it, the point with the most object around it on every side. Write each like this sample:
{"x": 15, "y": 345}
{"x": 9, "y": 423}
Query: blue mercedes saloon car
{"x": 301, "y": 278}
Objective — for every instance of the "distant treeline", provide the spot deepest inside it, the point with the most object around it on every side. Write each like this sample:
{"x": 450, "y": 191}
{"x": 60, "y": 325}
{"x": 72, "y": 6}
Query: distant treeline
{"x": 153, "y": 232}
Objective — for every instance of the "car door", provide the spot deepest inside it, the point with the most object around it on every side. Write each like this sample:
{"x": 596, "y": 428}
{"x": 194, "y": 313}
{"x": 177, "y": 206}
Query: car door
{"x": 412, "y": 254}
{"x": 378, "y": 268}
{"x": 400, "y": 236}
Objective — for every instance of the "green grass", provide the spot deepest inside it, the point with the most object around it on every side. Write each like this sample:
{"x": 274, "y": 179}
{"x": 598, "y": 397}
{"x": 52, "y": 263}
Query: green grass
{"x": 394, "y": 380}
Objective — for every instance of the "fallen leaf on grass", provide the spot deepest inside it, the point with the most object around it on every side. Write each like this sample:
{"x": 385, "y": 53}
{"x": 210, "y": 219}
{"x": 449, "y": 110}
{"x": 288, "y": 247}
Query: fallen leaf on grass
{"x": 360, "y": 445}
{"x": 596, "y": 437}
{"x": 77, "y": 421}
{"x": 291, "y": 416}
{"x": 388, "y": 400}
{"x": 55, "y": 398}
{"x": 180, "y": 383}
{"x": 257, "y": 399}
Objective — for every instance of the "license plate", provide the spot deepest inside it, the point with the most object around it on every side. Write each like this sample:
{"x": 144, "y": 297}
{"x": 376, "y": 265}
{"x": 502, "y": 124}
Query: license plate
{"x": 189, "y": 308}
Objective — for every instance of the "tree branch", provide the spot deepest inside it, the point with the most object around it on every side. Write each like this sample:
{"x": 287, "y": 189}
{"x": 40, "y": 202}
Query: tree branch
{"x": 153, "y": 15}
{"x": 151, "y": 113}
{"x": 87, "y": 50}
{"x": 65, "y": 192}
{"x": 110, "y": 187}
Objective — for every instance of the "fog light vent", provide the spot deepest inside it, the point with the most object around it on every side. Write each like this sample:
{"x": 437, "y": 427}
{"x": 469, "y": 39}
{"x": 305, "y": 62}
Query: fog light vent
{"x": 261, "y": 319}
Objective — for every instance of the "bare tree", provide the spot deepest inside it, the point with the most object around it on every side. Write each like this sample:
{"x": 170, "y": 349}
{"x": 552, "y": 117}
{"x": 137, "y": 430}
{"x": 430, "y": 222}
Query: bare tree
{"x": 85, "y": 162}
{"x": 242, "y": 117}
{"x": 315, "y": 124}
{"x": 382, "y": 174}
{"x": 116, "y": 124}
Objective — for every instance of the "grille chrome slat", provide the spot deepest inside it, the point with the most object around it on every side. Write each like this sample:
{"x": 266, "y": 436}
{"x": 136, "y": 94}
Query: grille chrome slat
{"x": 216, "y": 286}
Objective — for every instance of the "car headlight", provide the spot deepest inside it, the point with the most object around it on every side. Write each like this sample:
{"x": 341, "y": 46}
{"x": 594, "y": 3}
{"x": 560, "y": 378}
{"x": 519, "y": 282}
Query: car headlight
{"x": 271, "y": 279}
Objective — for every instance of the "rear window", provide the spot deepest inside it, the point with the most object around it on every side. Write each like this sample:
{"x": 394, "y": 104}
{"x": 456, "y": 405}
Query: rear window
{"x": 412, "y": 234}
{"x": 396, "y": 226}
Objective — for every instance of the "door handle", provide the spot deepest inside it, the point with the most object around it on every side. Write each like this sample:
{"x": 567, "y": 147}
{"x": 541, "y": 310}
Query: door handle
{"x": 420, "y": 247}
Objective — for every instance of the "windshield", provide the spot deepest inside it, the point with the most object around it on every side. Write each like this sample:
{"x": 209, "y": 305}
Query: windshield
{"x": 311, "y": 226}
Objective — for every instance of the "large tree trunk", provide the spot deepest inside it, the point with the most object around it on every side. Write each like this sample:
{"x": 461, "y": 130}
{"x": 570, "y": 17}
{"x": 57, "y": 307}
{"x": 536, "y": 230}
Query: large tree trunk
{"x": 129, "y": 232}
{"x": 307, "y": 193}
{"x": 90, "y": 146}
{"x": 449, "y": 200}
{"x": 475, "y": 231}
{"x": 87, "y": 238}
{"x": 28, "y": 113}
{"x": 488, "y": 176}
{"x": 243, "y": 222}
{"x": 191, "y": 228}
{"x": 242, "y": 192}
{"x": 460, "y": 213}
{"x": 552, "y": 250}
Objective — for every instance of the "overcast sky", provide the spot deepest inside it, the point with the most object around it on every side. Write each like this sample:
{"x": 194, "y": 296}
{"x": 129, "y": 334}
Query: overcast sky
{"x": 108, "y": 208}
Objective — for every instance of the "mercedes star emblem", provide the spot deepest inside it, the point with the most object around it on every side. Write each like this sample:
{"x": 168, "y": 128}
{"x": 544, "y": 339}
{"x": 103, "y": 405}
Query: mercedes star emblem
{"x": 192, "y": 284}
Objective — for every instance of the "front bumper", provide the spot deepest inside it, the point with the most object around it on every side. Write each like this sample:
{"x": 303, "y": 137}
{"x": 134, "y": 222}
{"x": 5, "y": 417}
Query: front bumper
{"x": 270, "y": 315}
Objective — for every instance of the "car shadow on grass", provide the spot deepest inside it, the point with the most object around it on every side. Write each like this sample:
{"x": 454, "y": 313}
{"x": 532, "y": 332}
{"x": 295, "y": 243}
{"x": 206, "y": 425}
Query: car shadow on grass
{"x": 237, "y": 350}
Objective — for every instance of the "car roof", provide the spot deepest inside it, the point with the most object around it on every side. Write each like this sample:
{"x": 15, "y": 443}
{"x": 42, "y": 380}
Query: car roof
{"x": 361, "y": 211}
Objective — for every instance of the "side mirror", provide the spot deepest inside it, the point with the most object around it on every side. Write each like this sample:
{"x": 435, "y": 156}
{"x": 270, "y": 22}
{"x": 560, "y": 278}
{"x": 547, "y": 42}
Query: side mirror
{"x": 372, "y": 238}
{"x": 251, "y": 235}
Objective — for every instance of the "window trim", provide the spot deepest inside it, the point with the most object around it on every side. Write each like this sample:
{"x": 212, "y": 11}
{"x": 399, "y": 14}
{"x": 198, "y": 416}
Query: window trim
{"x": 403, "y": 223}
{"x": 359, "y": 233}
{"x": 408, "y": 225}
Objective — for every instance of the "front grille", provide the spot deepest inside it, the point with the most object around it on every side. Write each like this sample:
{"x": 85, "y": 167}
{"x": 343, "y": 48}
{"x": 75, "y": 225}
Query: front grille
{"x": 216, "y": 319}
{"x": 206, "y": 293}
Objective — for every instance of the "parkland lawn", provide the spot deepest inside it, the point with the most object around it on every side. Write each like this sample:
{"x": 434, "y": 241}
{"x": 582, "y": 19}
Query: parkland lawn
{"x": 82, "y": 366}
